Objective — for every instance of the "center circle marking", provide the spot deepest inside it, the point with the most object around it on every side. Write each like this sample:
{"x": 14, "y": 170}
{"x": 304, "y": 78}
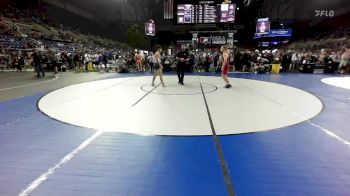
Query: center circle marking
{"x": 188, "y": 89}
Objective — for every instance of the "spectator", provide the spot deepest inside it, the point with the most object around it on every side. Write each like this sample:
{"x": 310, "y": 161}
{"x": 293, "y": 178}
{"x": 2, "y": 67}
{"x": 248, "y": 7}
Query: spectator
{"x": 286, "y": 61}
{"x": 151, "y": 60}
{"x": 208, "y": 61}
{"x": 20, "y": 63}
{"x": 37, "y": 63}
{"x": 344, "y": 61}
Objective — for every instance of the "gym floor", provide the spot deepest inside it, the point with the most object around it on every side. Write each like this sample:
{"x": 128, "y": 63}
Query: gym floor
{"x": 114, "y": 134}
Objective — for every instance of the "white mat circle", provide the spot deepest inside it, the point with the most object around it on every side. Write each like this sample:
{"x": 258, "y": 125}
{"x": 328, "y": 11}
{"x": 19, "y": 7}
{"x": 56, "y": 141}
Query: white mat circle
{"x": 250, "y": 106}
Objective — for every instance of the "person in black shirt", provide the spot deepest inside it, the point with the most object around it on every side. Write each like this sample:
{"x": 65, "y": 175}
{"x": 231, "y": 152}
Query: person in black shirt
{"x": 77, "y": 61}
{"x": 216, "y": 63}
{"x": 105, "y": 61}
{"x": 246, "y": 58}
{"x": 238, "y": 61}
{"x": 182, "y": 57}
{"x": 37, "y": 63}
{"x": 286, "y": 61}
{"x": 20, "y": 62}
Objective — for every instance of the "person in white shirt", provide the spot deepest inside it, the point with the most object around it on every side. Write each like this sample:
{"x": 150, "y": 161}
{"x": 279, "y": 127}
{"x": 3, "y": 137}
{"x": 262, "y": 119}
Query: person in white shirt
{"x": 85, "y": 60}
{"x": 151, "y": 60}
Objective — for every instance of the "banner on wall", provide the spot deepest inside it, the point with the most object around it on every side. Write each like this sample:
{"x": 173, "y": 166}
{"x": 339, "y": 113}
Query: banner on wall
{"x": 213, "y": 40}
{"x": 150, "y": 28}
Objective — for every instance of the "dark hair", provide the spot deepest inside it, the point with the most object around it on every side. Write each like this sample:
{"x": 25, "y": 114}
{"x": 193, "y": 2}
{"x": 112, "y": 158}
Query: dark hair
{"x": 158, "y": 47}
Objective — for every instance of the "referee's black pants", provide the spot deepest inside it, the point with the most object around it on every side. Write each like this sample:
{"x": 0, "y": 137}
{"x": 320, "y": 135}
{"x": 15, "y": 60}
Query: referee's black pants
{"x": 181, "y": 72}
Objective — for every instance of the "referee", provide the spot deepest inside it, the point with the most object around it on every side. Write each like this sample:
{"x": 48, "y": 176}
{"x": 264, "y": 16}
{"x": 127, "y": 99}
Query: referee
{"x": 182, "y": 57}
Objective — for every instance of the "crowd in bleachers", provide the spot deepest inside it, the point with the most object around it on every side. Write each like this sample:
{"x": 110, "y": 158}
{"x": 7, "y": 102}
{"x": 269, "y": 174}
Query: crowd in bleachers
{"x": 326, "y": 49}
{"x": 292, "y": 60}
{"x": 261, "y": 61}
{"x": 27, "y": 29}
{"x": 258, "y": 61}
{"x": 331, "y": 40}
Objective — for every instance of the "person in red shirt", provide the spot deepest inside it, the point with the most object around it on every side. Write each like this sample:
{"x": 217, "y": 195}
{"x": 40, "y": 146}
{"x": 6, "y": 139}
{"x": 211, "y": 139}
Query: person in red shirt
{"x": 225, "y": 66}
{"x": 138, "y": 59}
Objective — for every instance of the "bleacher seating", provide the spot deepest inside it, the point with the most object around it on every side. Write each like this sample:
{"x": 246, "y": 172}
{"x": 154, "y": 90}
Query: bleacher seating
{"x": 330, "y": 39}
{"x": 8, "y": 41}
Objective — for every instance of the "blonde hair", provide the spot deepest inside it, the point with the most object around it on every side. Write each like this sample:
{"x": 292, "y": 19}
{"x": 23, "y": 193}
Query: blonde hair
{"x": 224, "y": 48}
